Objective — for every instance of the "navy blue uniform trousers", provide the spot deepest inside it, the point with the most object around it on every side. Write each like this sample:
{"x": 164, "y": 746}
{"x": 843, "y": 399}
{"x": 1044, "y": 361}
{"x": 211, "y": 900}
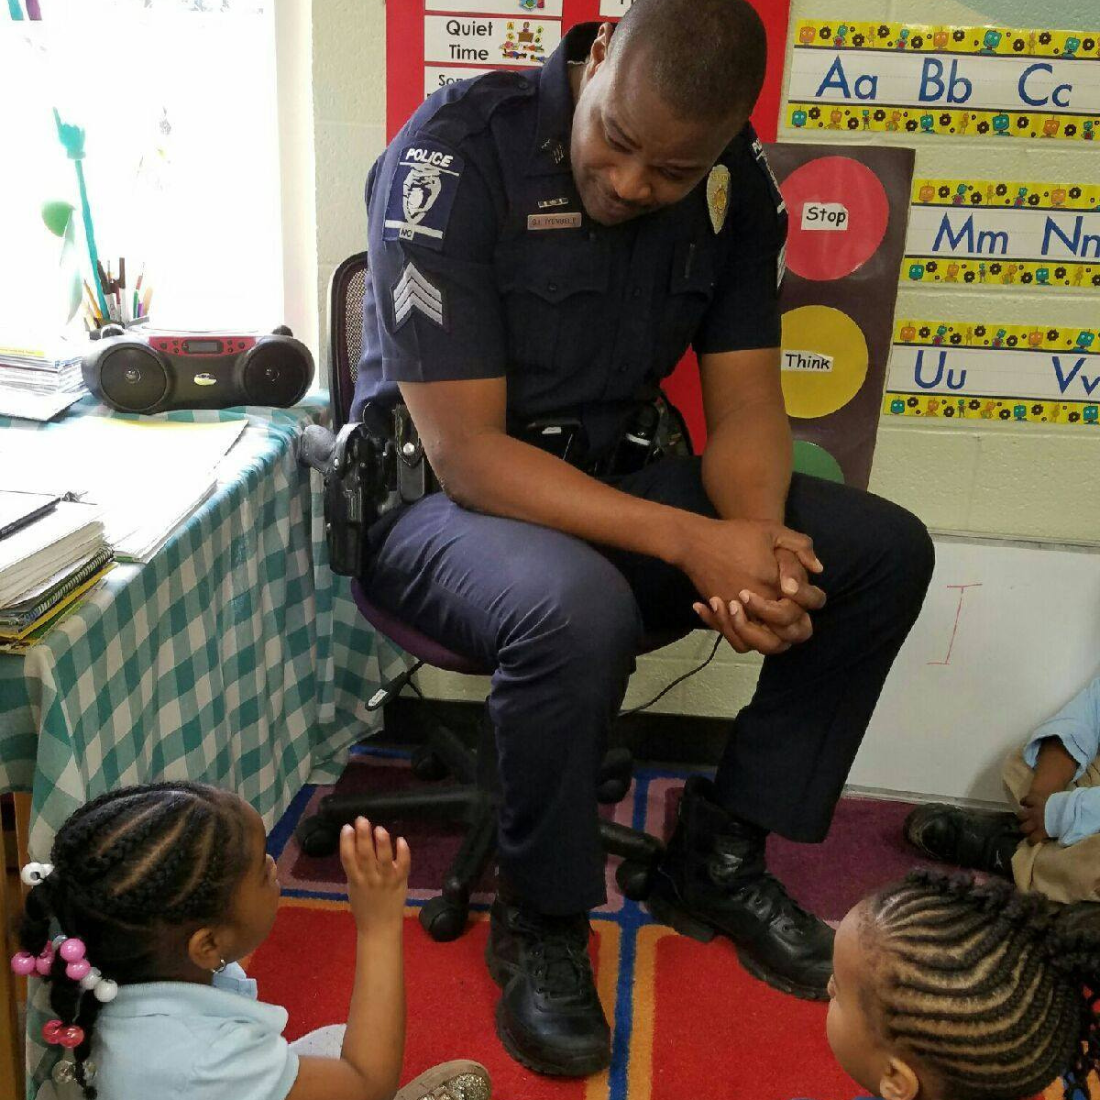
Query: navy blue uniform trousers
{"x": 561, "y": 622}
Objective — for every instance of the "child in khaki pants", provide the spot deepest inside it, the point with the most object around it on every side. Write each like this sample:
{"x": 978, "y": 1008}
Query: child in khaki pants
{"x": 1051, "y": 842}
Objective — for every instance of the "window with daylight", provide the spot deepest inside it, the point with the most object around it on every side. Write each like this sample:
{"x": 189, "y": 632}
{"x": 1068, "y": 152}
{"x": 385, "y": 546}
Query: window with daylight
{"x": 177, "y": 101}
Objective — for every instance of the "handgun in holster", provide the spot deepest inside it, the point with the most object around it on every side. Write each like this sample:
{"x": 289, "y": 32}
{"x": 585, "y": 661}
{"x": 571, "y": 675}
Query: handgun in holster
{"x": 367, "y": 473}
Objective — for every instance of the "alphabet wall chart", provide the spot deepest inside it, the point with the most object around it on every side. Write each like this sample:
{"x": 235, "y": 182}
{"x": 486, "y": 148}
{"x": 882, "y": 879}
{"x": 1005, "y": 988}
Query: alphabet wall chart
{"x": 996, "y": 233}
{"x": 847, "y": 210}
{"x": 964, "y": 370}
{"x": 988, "y": 81}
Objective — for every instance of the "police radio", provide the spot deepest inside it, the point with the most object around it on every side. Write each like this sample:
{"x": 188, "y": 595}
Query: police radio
{"x": 152, "y": 372}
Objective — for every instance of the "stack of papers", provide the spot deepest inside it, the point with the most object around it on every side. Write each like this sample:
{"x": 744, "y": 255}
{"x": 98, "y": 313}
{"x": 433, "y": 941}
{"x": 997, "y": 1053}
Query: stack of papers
{"x": 146, "y": 475}
{"x": 46, "y": 565}
{"x": 140, "y": 519}
{"x": 38, "y": 382}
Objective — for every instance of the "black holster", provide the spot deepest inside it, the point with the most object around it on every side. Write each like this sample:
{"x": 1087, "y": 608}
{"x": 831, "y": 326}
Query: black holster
{"x": 368, "y": 471}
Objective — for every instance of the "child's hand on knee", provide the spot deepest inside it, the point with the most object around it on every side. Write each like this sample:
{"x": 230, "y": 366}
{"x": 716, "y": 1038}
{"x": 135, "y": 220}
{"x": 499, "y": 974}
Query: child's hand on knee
{"x": 378, "y": 875}
{"x": 1032, "y": 815}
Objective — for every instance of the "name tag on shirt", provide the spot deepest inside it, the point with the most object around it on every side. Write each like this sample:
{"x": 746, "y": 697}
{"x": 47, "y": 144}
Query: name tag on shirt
{"x": 554, "y": 221}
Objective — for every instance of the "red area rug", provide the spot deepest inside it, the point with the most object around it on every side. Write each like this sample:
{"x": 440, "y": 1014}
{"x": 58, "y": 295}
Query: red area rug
{"x": 688, "y": 1020}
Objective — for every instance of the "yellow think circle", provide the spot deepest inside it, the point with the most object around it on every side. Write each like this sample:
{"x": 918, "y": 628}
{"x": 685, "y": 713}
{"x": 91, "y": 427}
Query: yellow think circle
{"x": 824, "y": 360}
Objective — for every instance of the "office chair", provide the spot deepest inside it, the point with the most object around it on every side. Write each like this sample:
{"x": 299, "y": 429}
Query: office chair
{"x": 475, "y": 798}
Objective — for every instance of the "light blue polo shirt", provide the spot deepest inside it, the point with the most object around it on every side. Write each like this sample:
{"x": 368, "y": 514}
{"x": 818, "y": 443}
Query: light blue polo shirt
{"x": 200, "y": 1042}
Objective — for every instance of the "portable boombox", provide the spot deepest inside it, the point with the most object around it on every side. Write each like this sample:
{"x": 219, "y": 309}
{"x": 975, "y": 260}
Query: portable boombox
{"x": 153, "y": 372}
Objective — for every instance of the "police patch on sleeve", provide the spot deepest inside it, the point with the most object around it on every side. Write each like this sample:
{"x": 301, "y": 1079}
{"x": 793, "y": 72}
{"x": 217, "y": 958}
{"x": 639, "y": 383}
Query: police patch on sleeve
{"x": 422, "y": 193}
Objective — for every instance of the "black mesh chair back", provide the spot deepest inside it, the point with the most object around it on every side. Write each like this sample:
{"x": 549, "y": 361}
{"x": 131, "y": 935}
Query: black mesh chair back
{"x": 349, "y": 284}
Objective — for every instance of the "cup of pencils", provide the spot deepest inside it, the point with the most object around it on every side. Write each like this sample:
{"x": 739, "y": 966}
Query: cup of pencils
{"x": 127, "y": 302}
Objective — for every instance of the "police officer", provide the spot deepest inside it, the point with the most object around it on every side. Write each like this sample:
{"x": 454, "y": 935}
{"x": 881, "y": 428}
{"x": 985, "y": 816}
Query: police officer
{"x": 543, "y": 247}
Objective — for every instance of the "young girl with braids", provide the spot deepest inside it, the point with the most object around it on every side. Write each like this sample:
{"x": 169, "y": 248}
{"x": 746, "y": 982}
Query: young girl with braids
{"x": 945, "y": 989}
{"x": 151, "y": 895}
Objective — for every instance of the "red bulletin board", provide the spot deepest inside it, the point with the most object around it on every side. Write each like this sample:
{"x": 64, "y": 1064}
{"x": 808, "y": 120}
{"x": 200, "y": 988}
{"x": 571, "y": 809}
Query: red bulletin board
{"x": 410, "y": 23}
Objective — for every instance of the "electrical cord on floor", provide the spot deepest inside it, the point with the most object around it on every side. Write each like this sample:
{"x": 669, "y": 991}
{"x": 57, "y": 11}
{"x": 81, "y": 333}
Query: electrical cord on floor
{"x": 679, "y": 680}
{"x": 411, "y": 682}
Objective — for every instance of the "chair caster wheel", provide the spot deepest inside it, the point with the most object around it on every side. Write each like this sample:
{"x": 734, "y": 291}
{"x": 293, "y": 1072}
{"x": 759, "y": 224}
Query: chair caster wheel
{"x": 443, "y": 920}
{"x": 615, "y": 775}
{"x": 427, "y": 766}
{"x": 611, "y": 791}
{"x": 317, "y": 837}
{"x": 635, "y": 879}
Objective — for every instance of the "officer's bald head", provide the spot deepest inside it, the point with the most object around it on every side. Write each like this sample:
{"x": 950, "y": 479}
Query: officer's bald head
{"x": 658, "y": 99}
{"x": 705, "y": 58}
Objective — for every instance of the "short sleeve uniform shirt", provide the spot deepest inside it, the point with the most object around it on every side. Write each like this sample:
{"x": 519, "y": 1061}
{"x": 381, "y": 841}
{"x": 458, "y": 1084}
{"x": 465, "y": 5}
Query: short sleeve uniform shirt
{"x": 483, "y": 263}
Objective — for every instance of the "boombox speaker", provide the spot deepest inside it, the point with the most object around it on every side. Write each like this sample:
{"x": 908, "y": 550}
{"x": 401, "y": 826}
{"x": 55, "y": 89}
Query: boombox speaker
{"x": 159, "y": 371}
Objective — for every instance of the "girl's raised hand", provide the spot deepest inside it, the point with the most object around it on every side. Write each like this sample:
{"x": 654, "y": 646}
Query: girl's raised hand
{"x": 378, "y": 875}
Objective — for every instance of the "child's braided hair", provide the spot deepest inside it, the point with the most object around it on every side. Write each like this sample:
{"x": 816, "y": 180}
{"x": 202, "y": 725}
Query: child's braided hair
{"x": 993, "y": 990}
{"x": 129, "y": 867}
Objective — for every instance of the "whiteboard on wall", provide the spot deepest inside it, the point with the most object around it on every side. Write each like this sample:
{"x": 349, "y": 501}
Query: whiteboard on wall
{"x": 1009, "y": 632}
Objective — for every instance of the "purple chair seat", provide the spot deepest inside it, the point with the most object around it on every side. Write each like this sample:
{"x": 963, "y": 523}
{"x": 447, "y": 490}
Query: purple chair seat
{"x": 411, "y": 640}
{"x": 432, "y": 653}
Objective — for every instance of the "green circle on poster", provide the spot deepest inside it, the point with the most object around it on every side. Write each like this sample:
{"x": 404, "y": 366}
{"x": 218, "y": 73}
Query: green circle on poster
{"x": 811, "y": 459}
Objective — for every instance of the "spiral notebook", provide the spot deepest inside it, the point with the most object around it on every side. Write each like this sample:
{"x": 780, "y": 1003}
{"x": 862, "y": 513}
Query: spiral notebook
{"x": 60, "y": 540}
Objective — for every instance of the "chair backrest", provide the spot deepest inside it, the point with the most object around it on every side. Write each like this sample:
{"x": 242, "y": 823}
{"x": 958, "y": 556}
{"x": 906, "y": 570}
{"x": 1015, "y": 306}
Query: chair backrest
{"x": 349, "y": 284}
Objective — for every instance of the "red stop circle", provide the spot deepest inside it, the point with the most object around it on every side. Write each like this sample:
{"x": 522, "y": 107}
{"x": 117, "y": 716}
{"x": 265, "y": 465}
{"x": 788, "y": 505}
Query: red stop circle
{"x": 838, "y": 212}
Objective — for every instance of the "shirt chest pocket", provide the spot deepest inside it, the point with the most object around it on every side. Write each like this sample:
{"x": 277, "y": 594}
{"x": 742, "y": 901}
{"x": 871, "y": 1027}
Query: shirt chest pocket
{"x": 690, "y": 292}
{"x": 554, "y": 297}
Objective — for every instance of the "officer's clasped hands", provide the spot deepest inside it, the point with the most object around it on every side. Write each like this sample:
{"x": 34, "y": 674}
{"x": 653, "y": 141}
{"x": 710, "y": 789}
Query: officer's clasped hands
{"x": 757, "y": 577}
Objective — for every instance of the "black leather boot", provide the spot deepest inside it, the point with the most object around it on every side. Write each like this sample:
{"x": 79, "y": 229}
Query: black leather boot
{"x": 713, "y": 879}
{"x": 549, "y": 1017}
{"x": 985, "y": 840}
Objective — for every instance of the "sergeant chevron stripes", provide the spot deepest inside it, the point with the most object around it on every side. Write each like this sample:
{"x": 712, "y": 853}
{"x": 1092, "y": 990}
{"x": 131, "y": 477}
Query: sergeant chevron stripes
{"x": 415, "y": 291}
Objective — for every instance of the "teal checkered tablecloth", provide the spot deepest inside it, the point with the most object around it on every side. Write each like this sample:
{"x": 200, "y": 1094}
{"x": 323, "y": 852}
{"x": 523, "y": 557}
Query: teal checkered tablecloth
{"x": 235, "y": 656}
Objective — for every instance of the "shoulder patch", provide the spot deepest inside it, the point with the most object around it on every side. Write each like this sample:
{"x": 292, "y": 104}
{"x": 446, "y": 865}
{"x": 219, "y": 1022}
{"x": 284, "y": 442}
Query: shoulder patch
{"x": 422, "y": 192}
{"x": 761, "y": 159}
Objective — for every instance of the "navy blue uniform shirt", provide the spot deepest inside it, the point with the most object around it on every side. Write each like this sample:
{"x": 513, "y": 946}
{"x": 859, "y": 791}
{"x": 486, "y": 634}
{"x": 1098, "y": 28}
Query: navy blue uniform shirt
{"x": 483, "y": 263}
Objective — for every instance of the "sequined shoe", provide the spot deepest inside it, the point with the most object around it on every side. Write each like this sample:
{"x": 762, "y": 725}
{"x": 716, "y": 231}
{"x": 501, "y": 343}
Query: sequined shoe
{"x": 449, "y": 1081}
